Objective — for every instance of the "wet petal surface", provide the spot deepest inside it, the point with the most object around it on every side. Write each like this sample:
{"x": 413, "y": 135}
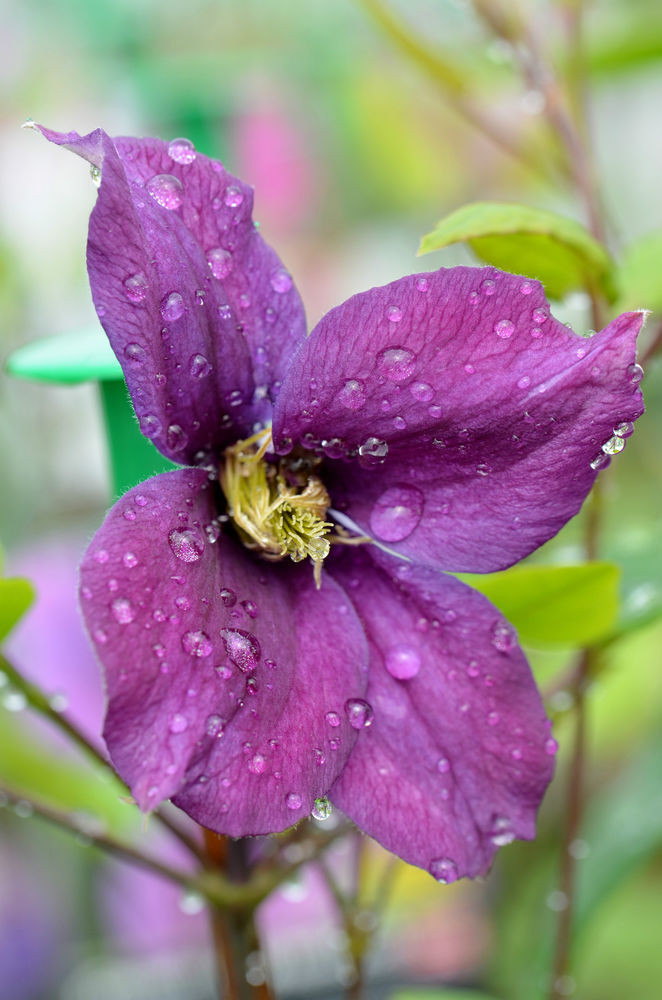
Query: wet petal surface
{"x": 463, "y": 425}
{"x": 200, "y": 311}
{"x": 458, "y": 754}
{"x": 221, "y": 670}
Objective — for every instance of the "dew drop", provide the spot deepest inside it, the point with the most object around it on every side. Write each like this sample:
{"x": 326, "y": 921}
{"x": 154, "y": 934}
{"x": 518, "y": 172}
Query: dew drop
{"x": 373, "y": 447}
{"x": 293, "y": 801}
{"x": 359, "y": 712}
{"x": 352, "y": 394}
{"x": 130, "y": 560}
{"x": 443, "y": 765}
{"x": 257, "y": 764}
{"x": 150, "y": 425}
{"x": 394, "y": 314}
{"x": 402, "y": 662}
{"x": 166, "y": 190}
{"x": 524, "y": 382}
{"x": 551, "y": 746}
{"x": 135, "y": 353}
{"x": 181, "y": 151}
{"x": 220, "y": 262}
{"x": 536, "y": 332}
{"x": 242, "y": 648}
{"x": 504, "y": 636}
{"x": 397, "y": 513}
{"x": 122, "y": 610}
{"x": 504, "y": 328}
{"x": 613, "y": 445}
{"x": 176, "y": 437}
{"x": 214, "y": 726}
{"x": 333, "y": 719}
{"x": 635, "y": 373}
{"x": 396, "y": 363}
{"x": 95, "y": 174}
{"x": 225, "y": 312}
{"x": 526, "y": 287}
{"x": 178, "y": 723}
{"x": 600, "y": 461}
{"x": 624, "y": 430}
{"x": 234, "y": 196}
{"x": 502, "y": 833}
{"x": 199, "y": 366}
{"x": 444, "y": 870}
{"x": 422, "y": 284}
{"x": 135, "y": 287}
{"x": 322, "y": 809}
{"x": 101, "y": 556}
{"x": 172, "y": 307}
{"x": 493, "y": 718}
{"x": 281, "y": 281}
{"x": 228, "y": 597}
{"x": 421, "y": 391}
{"x": 488, "y": 287}
{"x": 197, "y": 643}
{"x": 539, "y": 316}
{"x": 187, "y": 544}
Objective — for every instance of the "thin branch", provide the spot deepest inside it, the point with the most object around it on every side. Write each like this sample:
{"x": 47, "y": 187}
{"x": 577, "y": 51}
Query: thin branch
{"x": 41, "y": 703}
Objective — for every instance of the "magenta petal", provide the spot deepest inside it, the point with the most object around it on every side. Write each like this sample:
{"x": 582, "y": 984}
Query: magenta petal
{"x": 199, "y": 310}
{"x": 478, "y": 419}
{"x": 459, "y": 754}
{"x": 220, "y": 669}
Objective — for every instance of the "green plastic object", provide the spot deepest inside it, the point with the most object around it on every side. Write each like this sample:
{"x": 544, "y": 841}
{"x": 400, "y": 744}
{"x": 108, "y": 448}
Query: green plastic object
{"x": 86, "y": 356}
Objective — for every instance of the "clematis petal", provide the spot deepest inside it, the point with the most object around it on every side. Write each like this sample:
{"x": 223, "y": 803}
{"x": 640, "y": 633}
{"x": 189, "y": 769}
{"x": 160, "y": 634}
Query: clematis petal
{"x": 198, "y": 309}
{"x": 220, "y": 669}
{"x": 459, "y": 752}
{"x": 463, "y": 424}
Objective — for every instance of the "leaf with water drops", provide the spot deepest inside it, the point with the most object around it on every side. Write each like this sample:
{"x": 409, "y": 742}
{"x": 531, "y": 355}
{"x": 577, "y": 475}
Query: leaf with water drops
{"x": 534, "y": 242}
{"x": 555, "y": 605}
{"x": 16, "y": 596}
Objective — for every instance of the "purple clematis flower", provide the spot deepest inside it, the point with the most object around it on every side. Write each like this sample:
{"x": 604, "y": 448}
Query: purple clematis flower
{"x": 446, "y": 416}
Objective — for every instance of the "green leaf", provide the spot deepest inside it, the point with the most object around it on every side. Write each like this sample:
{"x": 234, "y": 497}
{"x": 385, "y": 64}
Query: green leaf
{"x": 639, "y": 275}
{"x": 557, "y": 251}
{"x": 16, "y": 596}
{"x": 80, "y": 356}
{"x": 555, "y": 605}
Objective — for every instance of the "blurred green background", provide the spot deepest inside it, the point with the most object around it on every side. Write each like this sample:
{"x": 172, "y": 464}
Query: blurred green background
{"x": 355, "y": 152}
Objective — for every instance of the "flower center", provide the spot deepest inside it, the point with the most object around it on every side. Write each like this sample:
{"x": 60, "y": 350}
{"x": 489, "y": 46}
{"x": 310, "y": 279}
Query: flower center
{"x": 278, "y": 507}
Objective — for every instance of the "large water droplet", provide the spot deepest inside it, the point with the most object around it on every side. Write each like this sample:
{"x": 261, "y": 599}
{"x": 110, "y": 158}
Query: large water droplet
{"x": 166, "y": 190}
{"x": 220, "y": 262}
{"x": 504, "y": 636}
{"x": 625, "y": 429}
{"x": 352, "y": 394}
{"x": 187, "y": 544}
{"x": 281, "y": 281}
{"x": 199, "y": 366}
{"x": 613, "y": 445}
{"x": 322, "y": 809}
{"x": 234, "y": 196}
{"x": 197, "y": 643}
{"x": 444, "y": 870}
{"x": 396, "y": 363}
{"x": 373, "y": 447}
{"x": 294, "y": 801}
{"x": 172, "y": 307}
{"x": 635, "y": 373}
{"x": 501, "y": 832}
{"x": 504, "y": 328}
{"x": 402, "y": 662}
{"x": 135, "y": 287}
{"x": 150, "y": 425}
{"x": 421, "y": 391}
{"x": 539, "y": 316}
{"x": 600, "y": 461}
{"x": 135, "y": 353}
{"x": 181, "y": 151}
{"x": 122, "y": 610}
{"x": 176, "y": 437}
{"x": 242, "y": 648}
{"x": 396, "y": 513}
{"x": 359, "y": 712}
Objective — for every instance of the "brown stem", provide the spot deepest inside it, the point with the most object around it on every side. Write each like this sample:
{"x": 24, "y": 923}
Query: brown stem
{"x": 234, "y": 933}
{"x": 41, "y": 703}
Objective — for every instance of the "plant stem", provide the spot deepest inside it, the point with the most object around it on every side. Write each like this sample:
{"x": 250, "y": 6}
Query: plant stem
{"x": 234, "y": 932}
{"x": 40, "y": 702}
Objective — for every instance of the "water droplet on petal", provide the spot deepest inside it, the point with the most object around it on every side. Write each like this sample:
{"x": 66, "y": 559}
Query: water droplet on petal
{"x": 101, "y": 556}
{"x": 539, "y": 316}
{"x": 95, "y": 174}
{"x": 352, "y": 394}
{"x": 600, "y": 461}
{"x": 396, "y": 363}
{"x": 135, "y": 353}
{"x": 187, "y": 544}
{"x": 536, "y": 332}
{"x": 551, "y": 746}
{"x": 150, "y": 425}
{"x": 397, "y": 513}
{"x": 443, "y": 765}
{"x": 488, "y": 287}
{"x": 394, "y": 314}
{"x": 214, "y": 726}
{"x": 402, "y": 662}
{"x": 613, "y": 445}
{"x": 322, "y": 809}
{"x": 281, "y": 281}
{"x": 172, "y": 307}
{"x": 526, "y": 287}
{"x": 333, "y": 719}
{"x": 234, "y": 196}
{"x": 373, "y": 447}
{"x": 502, "y": 833}
{"x": 421, "y": 391}
{"x": 122, "y": 610}
{"x": 624, "y": 430}
{"x": 242, "y": 648}
{"x": 228, "y": 597}
{"x": 422, "y": 284}
{"x": 135, "y": 287}
{"x": 166, "y": 190}
{"x": 181, "y": 151}
{"x": 178, "y": 723}
{"x": 504, "y": 636}
{"x": 220, "y": 262}
{"x": 635, "y": 373}
{"x": 444, "y": 870}
{"x": 294, "y": 801}
{"x": 257, "y": 764}
{"x": 197, "y": 643}
{"x": 359, "y": 712}
{"x": 130, "y": 560}
{"x": 504, "y": 328}
{"x": 176, "y": 437}
{"x": 199, "y": 366}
